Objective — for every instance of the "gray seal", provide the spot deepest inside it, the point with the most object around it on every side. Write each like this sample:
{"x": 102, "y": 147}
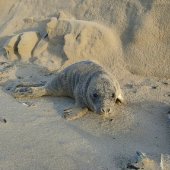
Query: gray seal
{"x": 92, "y": 87}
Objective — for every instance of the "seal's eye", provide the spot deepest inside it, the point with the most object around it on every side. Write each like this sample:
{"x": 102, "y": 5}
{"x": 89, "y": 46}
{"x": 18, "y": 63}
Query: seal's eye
{"x": 95, "y": 95}
{"x": 113, "y": 95}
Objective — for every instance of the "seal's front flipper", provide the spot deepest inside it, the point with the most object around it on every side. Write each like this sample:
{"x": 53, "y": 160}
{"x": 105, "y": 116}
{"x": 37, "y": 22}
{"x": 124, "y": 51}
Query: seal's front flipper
{"x": 74, "y": 113}
{"x": 30, "y": 92}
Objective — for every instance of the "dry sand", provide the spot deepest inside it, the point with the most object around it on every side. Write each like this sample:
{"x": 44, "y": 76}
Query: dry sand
{"x": 130, "y": 38}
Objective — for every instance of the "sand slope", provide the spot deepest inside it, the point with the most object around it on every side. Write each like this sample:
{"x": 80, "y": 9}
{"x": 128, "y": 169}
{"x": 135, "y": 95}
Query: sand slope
{"x": 142, "y": 26}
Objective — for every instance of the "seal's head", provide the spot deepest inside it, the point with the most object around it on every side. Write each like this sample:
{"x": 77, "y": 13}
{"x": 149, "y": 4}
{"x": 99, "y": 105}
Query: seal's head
{"x": 103, "y": 93}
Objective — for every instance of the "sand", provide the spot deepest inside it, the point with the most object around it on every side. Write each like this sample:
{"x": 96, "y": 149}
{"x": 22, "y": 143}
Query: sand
{"x": 129, "y": 38}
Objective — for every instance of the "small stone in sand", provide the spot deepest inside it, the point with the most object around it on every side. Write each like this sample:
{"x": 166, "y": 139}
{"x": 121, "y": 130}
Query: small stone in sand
{"x": 2, "y": 120}
{"x": 28, "y": 104}
{"x": 169, "y": 115}
{"x": 165, "y": 83}
{"x": 130, "y": 166}
{"x": 154, "y": 87}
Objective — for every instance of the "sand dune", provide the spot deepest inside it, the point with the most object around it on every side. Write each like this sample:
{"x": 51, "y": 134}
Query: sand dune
{"x": 144, "y": 35}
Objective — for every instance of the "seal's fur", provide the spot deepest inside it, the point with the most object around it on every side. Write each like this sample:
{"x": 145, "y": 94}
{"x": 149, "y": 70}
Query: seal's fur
{"x": 87, "y": 82}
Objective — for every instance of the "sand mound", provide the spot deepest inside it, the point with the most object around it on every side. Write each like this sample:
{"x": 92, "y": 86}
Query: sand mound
{"x": 138, "y": 28}
{"x": 21, "y": 46}
{"x": 87, "y": 40}
{"x": 148, "y": 52}
{"x": 67, "y": 39}
{"x": 27, "y": 42}
{"x": 11, "y": 46}
{"x": 143, "y": 27}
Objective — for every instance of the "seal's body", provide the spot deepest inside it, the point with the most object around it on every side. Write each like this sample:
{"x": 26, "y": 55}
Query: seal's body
{"x": 87, "y": 82}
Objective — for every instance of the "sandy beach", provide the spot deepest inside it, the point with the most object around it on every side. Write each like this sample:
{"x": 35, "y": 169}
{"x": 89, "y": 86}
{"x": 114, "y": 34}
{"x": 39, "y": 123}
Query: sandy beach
{"x": 129, "y": 38}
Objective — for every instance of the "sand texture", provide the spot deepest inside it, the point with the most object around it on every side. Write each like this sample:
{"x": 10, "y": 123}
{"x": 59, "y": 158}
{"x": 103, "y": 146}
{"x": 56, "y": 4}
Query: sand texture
{"x": 130, "y": 38}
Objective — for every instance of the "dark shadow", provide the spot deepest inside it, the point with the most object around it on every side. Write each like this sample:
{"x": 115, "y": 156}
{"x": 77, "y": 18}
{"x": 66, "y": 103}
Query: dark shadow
{"x": 134, "y": 20}
{"x": 3, "y": 40}
{"x": 133, "y": 23}
{"x": 147, "y": 4}
{"x": 56, "y": 48}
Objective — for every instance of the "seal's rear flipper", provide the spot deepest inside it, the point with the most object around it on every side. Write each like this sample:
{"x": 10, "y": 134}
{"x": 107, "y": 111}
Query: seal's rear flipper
{"x": 29, "y": 92}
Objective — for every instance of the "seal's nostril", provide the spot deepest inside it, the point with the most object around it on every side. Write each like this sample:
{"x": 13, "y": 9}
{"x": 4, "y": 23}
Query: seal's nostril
{"x": 118, "y": 101}
{"x": 108, "y": 110}
{"x": 102, "y": 110}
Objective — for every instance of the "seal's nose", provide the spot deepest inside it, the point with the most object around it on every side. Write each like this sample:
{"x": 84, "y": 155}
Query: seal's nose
{"x": 107, "y": 110}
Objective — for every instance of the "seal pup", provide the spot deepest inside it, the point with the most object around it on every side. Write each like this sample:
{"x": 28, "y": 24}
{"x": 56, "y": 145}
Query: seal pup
{"x": 87, "y": 82}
